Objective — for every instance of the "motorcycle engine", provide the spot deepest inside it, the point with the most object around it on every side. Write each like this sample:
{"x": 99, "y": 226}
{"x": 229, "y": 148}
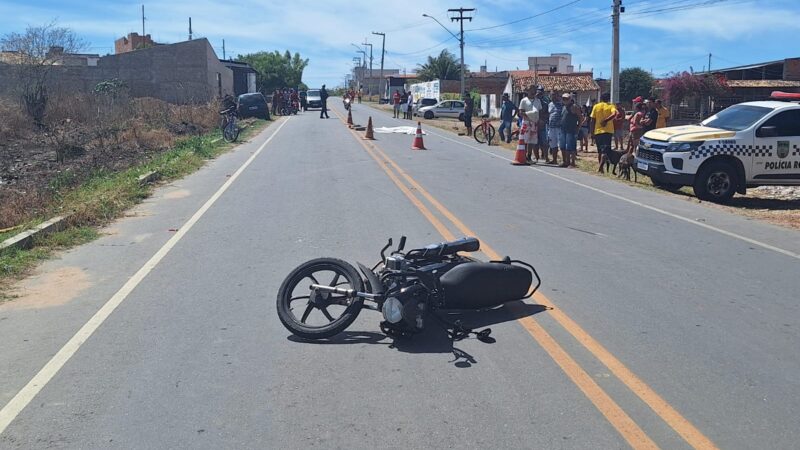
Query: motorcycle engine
{"x": 406, "y": 308}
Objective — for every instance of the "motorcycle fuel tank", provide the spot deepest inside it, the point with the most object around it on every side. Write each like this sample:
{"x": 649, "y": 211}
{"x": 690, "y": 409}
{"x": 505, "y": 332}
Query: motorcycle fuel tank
{"x": 478, "y": 285}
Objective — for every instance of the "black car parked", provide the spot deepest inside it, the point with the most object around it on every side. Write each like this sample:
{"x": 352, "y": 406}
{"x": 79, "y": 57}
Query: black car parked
{"x": 253, "y": 105}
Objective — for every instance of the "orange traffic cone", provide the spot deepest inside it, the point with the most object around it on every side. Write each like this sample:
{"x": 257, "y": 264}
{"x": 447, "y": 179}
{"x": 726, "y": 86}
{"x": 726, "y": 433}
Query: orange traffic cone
{"x": 519, "y": 158}
{"x": 418, "y": 144}
{"x": 369, "y": 134}
{"x": 350, "y": 118}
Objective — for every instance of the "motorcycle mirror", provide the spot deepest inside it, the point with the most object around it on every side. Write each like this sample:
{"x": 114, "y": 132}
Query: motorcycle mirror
{"x": 402, "y": 243}
{"x": 383, "y": 250}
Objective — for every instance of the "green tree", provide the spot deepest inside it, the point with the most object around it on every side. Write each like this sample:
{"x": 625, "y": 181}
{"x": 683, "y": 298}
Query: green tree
{"x": 634, "y": 82}
{"x": 276, "y": 70}
{"x": 442, "y": 67}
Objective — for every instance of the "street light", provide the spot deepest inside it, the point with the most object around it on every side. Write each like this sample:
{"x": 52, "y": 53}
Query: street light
{"x": 364, "y": 64}
{"x": 383, "y": 53}
{"x": 461, "y": 42}
{"x": 370, "y": 66}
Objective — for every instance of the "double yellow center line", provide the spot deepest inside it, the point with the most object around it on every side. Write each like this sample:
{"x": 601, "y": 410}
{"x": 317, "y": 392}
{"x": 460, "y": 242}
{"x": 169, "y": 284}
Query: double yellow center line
{"x": 626, "y": 427}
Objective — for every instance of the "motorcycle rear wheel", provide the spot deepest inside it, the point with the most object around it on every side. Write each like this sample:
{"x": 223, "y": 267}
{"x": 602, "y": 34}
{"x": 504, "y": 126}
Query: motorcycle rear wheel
{"x": 293, "y": 295}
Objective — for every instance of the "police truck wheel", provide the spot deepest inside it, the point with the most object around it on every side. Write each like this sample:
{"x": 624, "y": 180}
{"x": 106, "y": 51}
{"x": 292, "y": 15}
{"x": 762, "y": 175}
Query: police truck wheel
{"x": 716, "y": 182}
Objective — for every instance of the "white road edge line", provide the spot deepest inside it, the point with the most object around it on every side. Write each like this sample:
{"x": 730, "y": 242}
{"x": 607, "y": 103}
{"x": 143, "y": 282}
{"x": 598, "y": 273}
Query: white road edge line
{"x": 46, "y": 373}
{"x": 634, "y": 202}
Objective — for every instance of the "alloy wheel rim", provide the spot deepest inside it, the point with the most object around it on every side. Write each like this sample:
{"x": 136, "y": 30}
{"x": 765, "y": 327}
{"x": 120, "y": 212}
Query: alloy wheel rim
{"x": 719, "y": 183}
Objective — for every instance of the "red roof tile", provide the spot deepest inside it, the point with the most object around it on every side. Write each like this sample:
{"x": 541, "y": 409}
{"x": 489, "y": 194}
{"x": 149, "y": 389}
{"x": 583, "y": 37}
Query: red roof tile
{"x": 579, "y": 81}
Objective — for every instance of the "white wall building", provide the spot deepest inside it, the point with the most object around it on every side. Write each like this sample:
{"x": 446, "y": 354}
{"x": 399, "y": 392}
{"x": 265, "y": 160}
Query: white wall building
{"x": 555, "y": 63}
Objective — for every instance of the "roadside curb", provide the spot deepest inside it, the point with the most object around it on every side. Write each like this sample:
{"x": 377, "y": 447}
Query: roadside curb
{"x": 25, "y": 239}
{"x": 149, "y": 177}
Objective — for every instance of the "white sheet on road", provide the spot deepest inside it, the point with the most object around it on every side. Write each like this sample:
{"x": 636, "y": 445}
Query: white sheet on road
{"x": 401, "y": 130}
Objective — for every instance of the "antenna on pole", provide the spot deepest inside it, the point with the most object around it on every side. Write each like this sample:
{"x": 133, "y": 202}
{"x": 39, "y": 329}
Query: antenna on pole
{"x": 190, "y": 28}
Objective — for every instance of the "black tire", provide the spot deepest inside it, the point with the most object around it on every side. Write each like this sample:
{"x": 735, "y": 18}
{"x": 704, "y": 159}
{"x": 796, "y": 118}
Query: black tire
{"x": 428, "y": 115}
{"x": 716, "y": 182}
{"x": 231, "y": 132}
{"x": 479, "y": 135}
{"x": 307, "y": 270}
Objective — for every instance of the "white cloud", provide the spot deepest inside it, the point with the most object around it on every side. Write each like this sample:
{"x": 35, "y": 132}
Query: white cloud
{"x": 324, "y": 31}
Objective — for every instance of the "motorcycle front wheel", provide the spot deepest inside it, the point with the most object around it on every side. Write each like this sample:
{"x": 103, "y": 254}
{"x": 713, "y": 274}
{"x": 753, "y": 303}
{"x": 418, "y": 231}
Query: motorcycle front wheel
{"x": 316, "y": 314}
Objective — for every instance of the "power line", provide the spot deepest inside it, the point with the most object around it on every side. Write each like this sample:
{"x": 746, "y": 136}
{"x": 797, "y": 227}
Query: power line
{"x": 557, "y": 31}
{"x": 687, "y": 7}
{"x": 424, "y": 49}
{"x": 525, "y": 18}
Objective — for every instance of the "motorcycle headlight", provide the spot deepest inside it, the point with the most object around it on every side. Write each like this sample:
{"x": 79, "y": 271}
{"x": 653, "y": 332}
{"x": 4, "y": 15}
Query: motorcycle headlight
{"x": 684, "y": 146}
{"x": 392, "y": 310}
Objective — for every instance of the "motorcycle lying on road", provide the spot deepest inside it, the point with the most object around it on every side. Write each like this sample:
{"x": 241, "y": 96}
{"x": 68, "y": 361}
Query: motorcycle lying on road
{"x": 322, "y": 297}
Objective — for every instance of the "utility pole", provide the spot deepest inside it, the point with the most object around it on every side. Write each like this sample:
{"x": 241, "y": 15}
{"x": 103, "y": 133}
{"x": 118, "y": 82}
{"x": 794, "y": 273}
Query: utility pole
{"x": 370, "y": 64}
{"x": 709, "y": 63}
{"x": 461, "y": 18}
{"x": 617, "y": 9}
{"x": 223, "y": 49}
{"x": 383, "y": 52}
{"x": 356, "y": 63}
{"x": 142, "y": 21}
{"x": 190, "y": 29}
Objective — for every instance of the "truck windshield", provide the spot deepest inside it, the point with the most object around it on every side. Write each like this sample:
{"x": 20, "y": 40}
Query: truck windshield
{"x": 313, "y": 93}
{"x": 736, "y": 118}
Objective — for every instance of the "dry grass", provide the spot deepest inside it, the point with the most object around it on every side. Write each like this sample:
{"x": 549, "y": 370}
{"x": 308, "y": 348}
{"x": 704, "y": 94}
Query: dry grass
{"x": 14, "y": 123}
{"x": 84, "y": 134}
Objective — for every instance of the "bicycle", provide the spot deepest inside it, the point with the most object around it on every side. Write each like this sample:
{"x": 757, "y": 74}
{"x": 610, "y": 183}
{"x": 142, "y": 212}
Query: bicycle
{"x": 230, "y": 129}
{"x": 484, "y": 132}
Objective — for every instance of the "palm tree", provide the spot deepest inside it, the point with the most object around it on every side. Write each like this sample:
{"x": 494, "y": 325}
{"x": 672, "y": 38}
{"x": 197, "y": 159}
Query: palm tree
{"x": 442, "y": 67}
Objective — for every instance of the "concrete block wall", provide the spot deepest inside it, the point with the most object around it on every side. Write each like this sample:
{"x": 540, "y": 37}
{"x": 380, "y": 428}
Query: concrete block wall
{"x": 186, "y": 72}
{"x": 791, "y": 69}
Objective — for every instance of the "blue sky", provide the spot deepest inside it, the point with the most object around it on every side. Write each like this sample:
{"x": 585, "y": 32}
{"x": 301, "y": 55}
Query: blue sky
{"x": 735, "y": 31}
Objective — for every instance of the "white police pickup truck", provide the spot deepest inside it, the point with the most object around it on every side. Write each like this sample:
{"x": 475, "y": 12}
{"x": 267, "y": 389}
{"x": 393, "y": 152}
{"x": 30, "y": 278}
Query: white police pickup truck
{"x": 746, "y": 145}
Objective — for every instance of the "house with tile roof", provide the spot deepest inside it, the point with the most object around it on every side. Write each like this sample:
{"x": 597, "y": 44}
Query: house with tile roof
{"x": 581, "y": 83}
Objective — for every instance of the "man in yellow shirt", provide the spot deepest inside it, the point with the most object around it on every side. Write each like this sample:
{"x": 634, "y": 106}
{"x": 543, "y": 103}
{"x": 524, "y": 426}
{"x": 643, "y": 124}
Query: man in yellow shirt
{"x": 603, "y": 127}
{"x": 663, "y": 114}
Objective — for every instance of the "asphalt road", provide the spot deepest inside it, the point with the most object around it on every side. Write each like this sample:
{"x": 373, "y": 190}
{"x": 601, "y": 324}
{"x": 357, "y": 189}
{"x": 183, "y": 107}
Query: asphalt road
{"x": 660, "y": 322}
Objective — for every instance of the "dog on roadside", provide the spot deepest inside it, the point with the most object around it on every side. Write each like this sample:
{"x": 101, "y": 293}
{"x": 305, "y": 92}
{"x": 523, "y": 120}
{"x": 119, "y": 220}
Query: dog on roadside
{"x": 612, "y": 160}
{"x": 626, "y": 162}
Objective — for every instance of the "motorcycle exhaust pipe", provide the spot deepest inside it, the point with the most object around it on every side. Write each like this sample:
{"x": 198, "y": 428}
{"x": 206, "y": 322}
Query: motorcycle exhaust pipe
{"x": 335, "y": 290}
{"x": 347, "y": 292}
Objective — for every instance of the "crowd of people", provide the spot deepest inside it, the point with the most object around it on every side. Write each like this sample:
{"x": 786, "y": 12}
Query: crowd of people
{"x": 557, "y": 124}
{"x": 287, "y": 101}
